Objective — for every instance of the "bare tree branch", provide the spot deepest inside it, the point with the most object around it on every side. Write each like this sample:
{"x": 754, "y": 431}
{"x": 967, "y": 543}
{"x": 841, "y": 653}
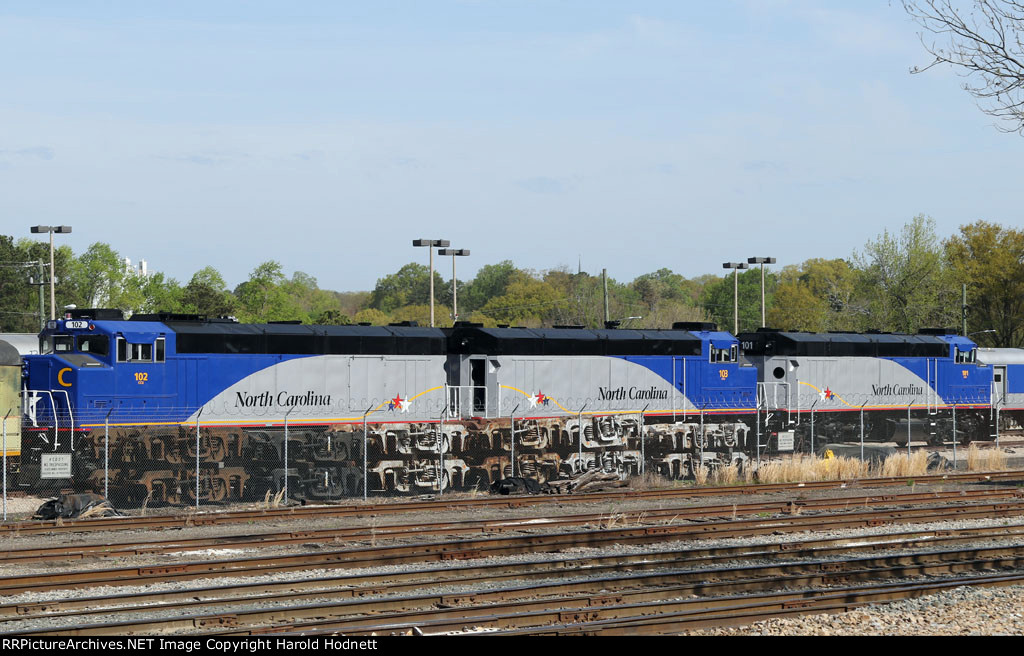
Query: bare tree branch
{"x": 984, "y": 43}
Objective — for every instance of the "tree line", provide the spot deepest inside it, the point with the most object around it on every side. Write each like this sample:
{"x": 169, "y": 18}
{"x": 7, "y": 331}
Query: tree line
{"x": 898, "y": 282}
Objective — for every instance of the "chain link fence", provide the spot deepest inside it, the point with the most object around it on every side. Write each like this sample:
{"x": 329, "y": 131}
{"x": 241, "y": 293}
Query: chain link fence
{"x": 151, "y": 458}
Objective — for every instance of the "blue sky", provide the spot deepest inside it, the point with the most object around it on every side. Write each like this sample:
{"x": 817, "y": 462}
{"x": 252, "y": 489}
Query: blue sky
{"x": 629, "y": 136}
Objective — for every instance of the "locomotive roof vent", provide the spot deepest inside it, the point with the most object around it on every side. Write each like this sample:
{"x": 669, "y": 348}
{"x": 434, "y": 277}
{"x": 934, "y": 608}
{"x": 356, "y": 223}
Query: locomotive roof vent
{"x": 470, "y": 324}
{"x": 568, "y": 327}
{"x": 695, "y": 326}
{"x": 406, "y": 324}
{"x": 287, "y": 322}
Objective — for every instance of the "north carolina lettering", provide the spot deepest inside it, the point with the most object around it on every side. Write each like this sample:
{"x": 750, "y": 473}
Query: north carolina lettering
{"x": 621, "y": 394}
{"x": 896, "y": 390}
{"x": 283, "y": 399}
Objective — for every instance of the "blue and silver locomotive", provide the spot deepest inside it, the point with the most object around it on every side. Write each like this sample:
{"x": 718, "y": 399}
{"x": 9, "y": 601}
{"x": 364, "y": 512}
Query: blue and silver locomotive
{"x": 849, "y": 384}
{"x": 424, "y": 408}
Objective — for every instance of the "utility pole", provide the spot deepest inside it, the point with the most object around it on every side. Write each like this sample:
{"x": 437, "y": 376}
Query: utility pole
{"x": 963, "y": 309}
{"x": 762, "y": 261}
{"x": 604, "y": 279}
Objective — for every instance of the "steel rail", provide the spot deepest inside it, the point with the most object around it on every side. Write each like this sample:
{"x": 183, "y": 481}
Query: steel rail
{"x": 831, "y": 571}
{"x": 615, "y": 614}
{"x": 357, "y": 585}
{"x": 485, "y": 547}
{"x": 65, "y": 553}
{"x": 766, "y": 608}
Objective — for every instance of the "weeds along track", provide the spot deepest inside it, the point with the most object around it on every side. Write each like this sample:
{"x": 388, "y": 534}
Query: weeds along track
{"x": 667, "y": 590}
{"x": 357, "y": 509}
{"x": 658, "y": 517}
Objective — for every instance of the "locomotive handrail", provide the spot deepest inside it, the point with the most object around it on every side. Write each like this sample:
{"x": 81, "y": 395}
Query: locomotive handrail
{"x": 71, "y": 421}
{"x": 53, "y": 408}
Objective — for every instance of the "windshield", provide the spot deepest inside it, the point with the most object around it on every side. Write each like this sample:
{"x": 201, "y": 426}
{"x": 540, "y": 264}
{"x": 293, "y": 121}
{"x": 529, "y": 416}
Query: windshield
{"x": 56, "y": 344}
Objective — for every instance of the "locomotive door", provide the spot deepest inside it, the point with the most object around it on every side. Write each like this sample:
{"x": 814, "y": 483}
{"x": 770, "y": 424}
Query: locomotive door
{"x": 478, "y": 380}
{"x": 999, "y": 386}
{"x": 932, "y": 391}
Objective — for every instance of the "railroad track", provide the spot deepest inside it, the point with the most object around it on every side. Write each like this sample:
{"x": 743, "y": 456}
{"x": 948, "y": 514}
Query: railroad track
{"x": 659, "y": 517}
{"x": 449, "y": 551}
{"x": 360, "y": 510}
{"x": 623, "y": 592}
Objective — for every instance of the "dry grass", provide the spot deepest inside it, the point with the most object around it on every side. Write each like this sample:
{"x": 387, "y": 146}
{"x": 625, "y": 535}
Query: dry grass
{"x": 726, "y": 475}
{"x": 899, "y": 465}
{"x": 804, "y": 468}
{"x": 985, "y": 460}
{"x": 649, "y": 480}
{"x": 700, "y": 474}
{"x": 273, "y": 501}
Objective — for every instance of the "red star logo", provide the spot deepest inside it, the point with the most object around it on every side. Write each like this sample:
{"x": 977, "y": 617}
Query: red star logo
{"x": 540, "y": 397}
{"x": 829, "y": 393}
{"x": 396, "y": 402}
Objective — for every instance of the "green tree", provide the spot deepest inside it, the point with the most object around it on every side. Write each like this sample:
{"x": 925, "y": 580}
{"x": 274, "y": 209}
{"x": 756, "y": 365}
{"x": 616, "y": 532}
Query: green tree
{"x": 332, "y": 318}
{"x": 409, "y": 286}
{"x": 905, "y": 280}
{"x": 372, "y": 316}
{"x": 263, "y": 297}
{"x": 989, "y": 259}
{"x": 98, "y": 276}
{"x": 525, "y": 302}
{"x": 819, "y": 295}
{"x": 207, "y": 294}
{"x": 490, "y": 281}
{"x": 18, "y": 312}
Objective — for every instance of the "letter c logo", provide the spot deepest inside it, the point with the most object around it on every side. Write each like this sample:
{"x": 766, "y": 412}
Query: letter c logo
{"x": 60, "y": 377}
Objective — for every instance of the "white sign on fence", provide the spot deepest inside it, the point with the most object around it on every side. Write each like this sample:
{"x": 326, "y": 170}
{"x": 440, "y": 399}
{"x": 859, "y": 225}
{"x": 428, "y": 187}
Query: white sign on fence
{"x": 55, "y": 465}
{"x": 786, "y": 441}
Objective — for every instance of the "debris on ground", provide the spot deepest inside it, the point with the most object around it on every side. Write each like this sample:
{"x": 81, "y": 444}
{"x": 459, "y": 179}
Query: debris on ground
{"x": 594, "y": 480}
{"x": 517, "y": 485}
{"x": 76, "y": 506}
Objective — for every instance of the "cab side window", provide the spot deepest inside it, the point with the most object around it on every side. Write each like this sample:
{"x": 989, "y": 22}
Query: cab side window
{"x": 965, "y": 357}
{"x": 724, "y": 355}
{"x": 133, "y": 352}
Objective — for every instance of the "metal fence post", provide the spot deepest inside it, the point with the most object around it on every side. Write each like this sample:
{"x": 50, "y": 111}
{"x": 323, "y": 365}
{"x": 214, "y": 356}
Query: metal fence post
{"x": 862, "y": 430}
{"x": 643, "y": 450}
{"x": 954, "y": 436}
{"x": 580, "y": 456}
{"x": 812, "y": 426}
{"x": 197, "y": 457}
{"x": 908, "y": 430}
{"x": 757, "y": 425}
{"x": 440, "y": 453}
{"x": 106, "y": 455}
{"x": 366, "y": 474}
{"x": 286, "y": 454}
{"x": 512, "y": 437}
{"x": 997, "y": 427}
{"x": 700, "y": 444}
{"x": 5, "y": 461}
